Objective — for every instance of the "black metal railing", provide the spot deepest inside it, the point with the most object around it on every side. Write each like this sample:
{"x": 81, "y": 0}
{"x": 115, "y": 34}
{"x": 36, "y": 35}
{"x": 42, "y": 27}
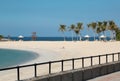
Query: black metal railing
{"x": 114, "y": 57}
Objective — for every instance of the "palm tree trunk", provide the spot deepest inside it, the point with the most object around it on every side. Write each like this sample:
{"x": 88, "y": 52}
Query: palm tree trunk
{"x": 99, "y": 37}
{"x": 77, "y": 37}
{"x": 115, "y": 35}
{"x": 104, "y": 35}
{"x": 64, "y": 36}
{"x": 112, "y": 35}
{"x": 80, "y": 37}
{"x": 72, "y": 36}
{"x": 94, "y": 35}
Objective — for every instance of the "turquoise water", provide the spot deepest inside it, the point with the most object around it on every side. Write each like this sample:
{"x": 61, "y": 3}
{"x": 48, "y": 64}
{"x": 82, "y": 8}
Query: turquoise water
{"x": 10, "y": 58}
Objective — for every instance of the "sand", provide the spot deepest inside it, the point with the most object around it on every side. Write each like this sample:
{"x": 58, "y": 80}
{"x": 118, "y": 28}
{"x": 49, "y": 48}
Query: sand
{"x": 56, "y": 50}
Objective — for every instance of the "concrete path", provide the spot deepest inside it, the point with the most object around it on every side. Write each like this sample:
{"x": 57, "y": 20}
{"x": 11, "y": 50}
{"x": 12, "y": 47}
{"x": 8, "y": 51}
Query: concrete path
{"x": 110, "y": 77}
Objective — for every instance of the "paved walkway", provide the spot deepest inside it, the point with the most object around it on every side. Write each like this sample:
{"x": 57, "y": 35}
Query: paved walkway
{"x": 110, "y": 77}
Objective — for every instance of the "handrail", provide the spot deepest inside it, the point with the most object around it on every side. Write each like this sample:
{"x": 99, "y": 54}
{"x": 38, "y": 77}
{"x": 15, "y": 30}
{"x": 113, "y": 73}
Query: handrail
{"x": 62, "y": 63}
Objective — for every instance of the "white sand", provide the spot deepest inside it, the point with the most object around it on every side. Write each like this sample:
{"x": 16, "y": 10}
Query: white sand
{"x": 54, "y": 51}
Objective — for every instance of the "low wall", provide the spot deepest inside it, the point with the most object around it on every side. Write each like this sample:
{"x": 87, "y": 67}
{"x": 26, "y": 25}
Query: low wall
{"x": 80, "y": 74}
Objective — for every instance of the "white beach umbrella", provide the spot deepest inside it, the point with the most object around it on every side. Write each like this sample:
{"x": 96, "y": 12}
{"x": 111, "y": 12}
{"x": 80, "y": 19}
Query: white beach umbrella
{"x": 20, "y": 36}
{"x": 102, "y": 36}
{"x": 86, "y": 36}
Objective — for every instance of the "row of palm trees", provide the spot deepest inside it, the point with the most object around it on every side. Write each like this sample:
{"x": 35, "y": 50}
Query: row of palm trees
{"x": 73, "y": 28}
{"x": 97, "y": 27}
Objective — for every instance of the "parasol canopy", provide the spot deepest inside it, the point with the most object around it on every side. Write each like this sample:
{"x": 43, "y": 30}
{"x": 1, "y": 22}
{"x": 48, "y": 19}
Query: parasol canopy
{"x": 86, "y": 36}
{"x": 102, "y": 36}
{"x": 20, "y": 36}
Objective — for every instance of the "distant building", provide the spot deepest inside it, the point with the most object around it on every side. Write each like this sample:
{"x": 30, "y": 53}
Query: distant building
{"x": 34, "y": 37}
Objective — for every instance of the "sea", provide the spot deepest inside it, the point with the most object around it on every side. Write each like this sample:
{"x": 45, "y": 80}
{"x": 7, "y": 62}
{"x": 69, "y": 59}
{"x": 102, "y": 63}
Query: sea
{"x": 9, "y": 58}
{"x": 56, "y": 38}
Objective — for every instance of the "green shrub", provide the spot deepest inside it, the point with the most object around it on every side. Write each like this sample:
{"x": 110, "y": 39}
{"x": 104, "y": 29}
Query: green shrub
{"x": 1, "y": 36}
{"x": 118, "y": 34}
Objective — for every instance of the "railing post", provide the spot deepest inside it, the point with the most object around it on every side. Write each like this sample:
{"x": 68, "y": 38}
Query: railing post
{"x": 35, "y": 69}
{"x": 91, "y": 61}
{"x": 119, "y": 56}
{"x": 106, "y": 58}
{"x": 62, "y": 65}
{"x": 113, "y": 57}
{"x": 83, "y": 62}
{"x": 18, "y": 73}
{"x": 73, "y": 64}
{"x": 49, "y": 67}
{"x": 99, "y": 60}
{"x": 83, "y": 75}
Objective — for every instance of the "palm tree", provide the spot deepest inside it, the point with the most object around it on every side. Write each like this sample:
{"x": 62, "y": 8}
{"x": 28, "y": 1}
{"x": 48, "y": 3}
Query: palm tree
{"x": 77, "y": 32}
{"x": 98, "y": 31}
{"x": 88, "y": 25}
{"x": 71, "y": 28}
{"x": 93, "y": 25}
{"x": 114, "y": 31}
{"x": 79, "y": 27}
{"x": 63, "y": 29}
{"x": 112, "y": 27}
{"x": 104, "y": 27}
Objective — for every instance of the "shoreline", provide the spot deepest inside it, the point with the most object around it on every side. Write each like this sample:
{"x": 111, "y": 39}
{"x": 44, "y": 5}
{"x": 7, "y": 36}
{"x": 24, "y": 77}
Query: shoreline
{"x": 34, "y": 55}
{"x": 57, "y": 50}
{"x": 39, "y": 52}
{"x": 13, "y": 63}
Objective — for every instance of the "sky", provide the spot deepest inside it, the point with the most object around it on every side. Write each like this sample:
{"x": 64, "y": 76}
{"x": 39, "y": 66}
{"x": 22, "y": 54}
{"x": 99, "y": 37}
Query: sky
{"x": 22, "y": 17}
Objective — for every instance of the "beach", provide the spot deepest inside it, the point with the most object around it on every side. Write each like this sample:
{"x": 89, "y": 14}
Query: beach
{"x": 56, "y": 50}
